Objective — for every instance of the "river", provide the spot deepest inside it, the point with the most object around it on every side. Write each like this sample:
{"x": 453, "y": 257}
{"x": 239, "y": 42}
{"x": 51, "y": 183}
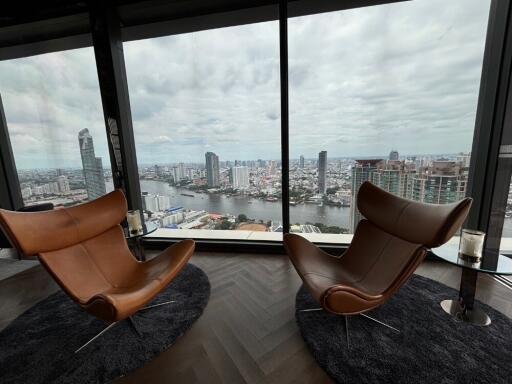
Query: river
{"x": 257, "y": 209}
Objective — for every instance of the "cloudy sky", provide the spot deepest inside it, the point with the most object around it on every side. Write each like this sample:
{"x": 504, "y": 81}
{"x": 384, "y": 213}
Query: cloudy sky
{"x": 362, "y": 82}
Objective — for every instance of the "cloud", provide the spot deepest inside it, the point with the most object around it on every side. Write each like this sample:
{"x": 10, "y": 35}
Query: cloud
{"x": 399, "y": 76}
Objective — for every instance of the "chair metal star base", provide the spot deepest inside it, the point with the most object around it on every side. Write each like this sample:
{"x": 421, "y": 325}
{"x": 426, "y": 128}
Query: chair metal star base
{"x": 346, "y": 321}
{"x": 130, "y": 319}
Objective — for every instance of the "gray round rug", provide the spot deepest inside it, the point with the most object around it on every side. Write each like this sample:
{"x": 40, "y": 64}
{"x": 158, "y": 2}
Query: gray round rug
{"x": 39, "y": 345}
{"x": 432, "y": 346}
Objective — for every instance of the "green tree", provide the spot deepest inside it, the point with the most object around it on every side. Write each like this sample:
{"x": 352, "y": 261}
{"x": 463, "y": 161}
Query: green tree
{"x": 242, "y": 218}
{"x": 224, "y": 224}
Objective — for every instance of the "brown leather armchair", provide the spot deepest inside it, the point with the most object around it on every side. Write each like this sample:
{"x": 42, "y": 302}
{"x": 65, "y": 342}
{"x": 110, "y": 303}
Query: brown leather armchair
{"x": 386, "y": 249}
{"x": 85, "y": 251}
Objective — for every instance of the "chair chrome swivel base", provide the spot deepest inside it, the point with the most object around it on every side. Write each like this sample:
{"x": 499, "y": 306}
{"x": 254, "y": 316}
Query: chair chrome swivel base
{"x": 130, "y": 319}
{"x": 346, "y": 321}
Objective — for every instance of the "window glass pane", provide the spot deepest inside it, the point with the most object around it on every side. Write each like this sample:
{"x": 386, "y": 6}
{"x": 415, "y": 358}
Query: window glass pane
{"x": 500, "y": 226}
{"x": 55, "y": 120}
{"x": 206, "y": 116}
{"x": 388, "y": 94}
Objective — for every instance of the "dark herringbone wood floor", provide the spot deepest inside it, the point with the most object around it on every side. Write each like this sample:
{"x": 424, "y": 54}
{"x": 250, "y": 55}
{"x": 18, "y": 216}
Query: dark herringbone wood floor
{"x": 248, "y": 334}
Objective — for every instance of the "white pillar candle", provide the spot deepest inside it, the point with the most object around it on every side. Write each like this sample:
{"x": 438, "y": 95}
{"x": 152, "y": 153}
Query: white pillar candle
{"x": 472, "y": 243}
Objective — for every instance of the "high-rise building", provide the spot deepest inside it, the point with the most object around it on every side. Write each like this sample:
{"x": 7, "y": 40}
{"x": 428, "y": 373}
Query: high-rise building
{"x": 272, "y": 167}
{"x": 92, "y": 166}
{"x": 158, "y": 170}
{"x": 150, "y": 203}
{"x": 322, "y": 172}
{"x": 361, "y": 172}
{"x": 212, "y": 169}
{"x": 301, "y": 162}
{"x": 178, "y": 172}
{"x": 443, "y": 182}
{"x": 63, "y": 184}
{"x": 393, "y": 155}
{"x": 26, "y": 192}
{"x": 164, "y": 202}
{"x": 240, "y": 177}
{"x": 464, "y": 159}
{"x": 155, "y": 203}
{"x": 394, "y": 176}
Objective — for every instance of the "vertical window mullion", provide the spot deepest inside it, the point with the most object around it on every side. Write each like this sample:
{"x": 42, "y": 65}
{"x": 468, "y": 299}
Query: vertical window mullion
{"x": 285, "y": 158}
{"x": 10, "y": 192}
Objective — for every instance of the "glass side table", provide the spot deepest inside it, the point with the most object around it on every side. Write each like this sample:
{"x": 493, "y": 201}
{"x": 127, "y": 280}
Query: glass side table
{"x": 464, "y": 309}
{"x": 136, "y": 240}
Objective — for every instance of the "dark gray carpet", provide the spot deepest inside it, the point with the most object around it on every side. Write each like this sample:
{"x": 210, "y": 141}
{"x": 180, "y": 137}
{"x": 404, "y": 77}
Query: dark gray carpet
{"x": 432, "y": 347}
{"x": 38, "y": 346}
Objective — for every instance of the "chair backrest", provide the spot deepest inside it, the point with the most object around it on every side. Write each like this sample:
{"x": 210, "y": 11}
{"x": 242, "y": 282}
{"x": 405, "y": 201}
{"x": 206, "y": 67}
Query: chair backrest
{"x": 38, "y": 232}
{"x": 4, "y": 241}
{"x": 395, "y": 236}
{"x": 428, "y": 224}
{"x": 83, "y": 247}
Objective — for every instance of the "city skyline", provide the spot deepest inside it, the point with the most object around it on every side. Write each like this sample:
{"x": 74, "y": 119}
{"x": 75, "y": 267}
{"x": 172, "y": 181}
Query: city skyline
{"x": 319, "y": 182}
{"x": 314, "y": 157}
{"x": 184, "y": 105}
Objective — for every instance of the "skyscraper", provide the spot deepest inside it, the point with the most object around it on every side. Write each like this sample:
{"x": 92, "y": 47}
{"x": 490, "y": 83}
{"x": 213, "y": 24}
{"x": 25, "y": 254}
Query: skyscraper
{"x": 240, "y": 177}
{"x": 322, "y": 172}
{"x": 393, "y": 155}
{"x": 301, "y": 162}
{"x": 361, "y": 172}
{"x": 63, "y": 184}
{"x": 158, "y": 170}
{"x": 212, "y": 169}
{"x": 92, "y": 166}
{"x": 178, "y": 172}
{"x": 272, "y": 167}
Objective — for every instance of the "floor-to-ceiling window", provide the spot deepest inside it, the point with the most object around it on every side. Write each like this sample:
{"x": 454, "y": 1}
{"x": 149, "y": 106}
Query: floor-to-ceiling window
{"x": 54, "y": 115}
{"x": 206, "y": 120}
{"x": 384, "y": 93}
{"x": 388, "y": 94}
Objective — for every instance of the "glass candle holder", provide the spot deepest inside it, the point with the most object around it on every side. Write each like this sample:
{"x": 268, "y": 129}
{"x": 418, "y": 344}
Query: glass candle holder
{"x": 134, "y": 222}
{"x": 471, "y": 245}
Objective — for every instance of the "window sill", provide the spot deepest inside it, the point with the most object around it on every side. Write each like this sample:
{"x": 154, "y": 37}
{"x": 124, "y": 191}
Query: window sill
{"x": 204, "y": 234}
{"x": 230, "y": 235}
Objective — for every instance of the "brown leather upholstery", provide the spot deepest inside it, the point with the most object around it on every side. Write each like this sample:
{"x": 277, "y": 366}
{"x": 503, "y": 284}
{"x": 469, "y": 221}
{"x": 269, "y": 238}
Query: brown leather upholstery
{"x": 85, "y": 250}
{"x": 4, "y": 241}
{"x": 386, "y": 249}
